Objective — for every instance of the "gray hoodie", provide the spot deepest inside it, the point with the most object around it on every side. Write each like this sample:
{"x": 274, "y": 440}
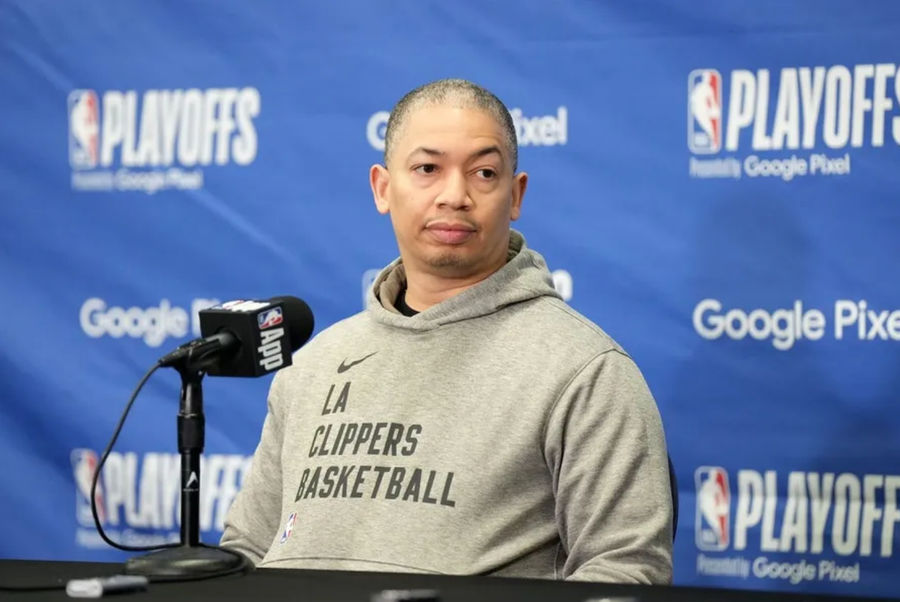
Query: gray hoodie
{"x": 499, "y": 432}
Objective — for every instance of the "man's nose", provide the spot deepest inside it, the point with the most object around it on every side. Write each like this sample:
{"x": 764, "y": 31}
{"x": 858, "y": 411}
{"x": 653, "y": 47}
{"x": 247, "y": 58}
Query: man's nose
{"x": 454, "y": 194}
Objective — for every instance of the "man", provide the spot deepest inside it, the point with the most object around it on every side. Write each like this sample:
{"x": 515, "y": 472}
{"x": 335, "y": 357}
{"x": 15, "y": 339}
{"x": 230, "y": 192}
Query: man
{"x": 469, "y": 421}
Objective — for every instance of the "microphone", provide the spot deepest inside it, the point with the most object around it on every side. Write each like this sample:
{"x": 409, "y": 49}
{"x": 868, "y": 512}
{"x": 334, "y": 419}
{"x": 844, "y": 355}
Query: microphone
{"x": 240, "y": 338}
{"x": 247, "y": 337}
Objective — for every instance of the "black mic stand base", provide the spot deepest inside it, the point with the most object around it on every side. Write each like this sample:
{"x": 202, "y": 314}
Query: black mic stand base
{"x": 187, "y": 562}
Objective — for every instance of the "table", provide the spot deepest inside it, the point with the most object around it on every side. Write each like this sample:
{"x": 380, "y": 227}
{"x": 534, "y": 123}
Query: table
{"x": 343, "y": 586}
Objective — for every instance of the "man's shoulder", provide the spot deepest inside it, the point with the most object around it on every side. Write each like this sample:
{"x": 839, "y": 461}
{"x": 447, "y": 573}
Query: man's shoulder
{"x": 337, "y": 333}
{"x": 558, "y": 323}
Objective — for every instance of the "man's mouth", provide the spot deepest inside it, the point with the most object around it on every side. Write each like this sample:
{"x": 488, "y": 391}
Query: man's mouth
{"x": 451, "y": 233}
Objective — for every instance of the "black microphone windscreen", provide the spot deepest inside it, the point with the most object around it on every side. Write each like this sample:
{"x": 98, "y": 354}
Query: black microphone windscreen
{"x": 266, "y": 334}
{"x": 300, "y": 321}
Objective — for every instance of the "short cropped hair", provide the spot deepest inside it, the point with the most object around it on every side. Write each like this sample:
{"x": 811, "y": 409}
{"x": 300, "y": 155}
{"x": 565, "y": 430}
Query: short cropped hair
{"x": 459, "y": 92}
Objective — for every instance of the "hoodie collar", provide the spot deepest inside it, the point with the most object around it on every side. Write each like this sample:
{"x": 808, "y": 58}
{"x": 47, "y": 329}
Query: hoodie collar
{"x": 524, "y": 276}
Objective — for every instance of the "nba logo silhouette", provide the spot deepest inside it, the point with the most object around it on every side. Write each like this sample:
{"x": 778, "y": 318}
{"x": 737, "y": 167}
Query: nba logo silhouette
{"x": 288, "y": 527}
{"x": 269, "y": 318}
{"x": 84, "y": 465}
{"x": 84, "y": 129}
{"x": 704, "y": 111}
{"x": 713, "y": 508}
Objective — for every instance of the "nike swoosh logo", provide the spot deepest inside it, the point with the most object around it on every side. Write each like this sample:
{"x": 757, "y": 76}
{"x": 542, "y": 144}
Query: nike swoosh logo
{"x": 344, "y": 366}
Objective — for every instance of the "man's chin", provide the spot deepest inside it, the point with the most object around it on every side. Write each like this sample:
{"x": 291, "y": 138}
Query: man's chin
{"x": 451, "y": 262}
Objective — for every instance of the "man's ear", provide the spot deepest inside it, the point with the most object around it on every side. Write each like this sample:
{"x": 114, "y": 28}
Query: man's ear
{"x": 379, "y": 178}
{"x": 520, "y": 183}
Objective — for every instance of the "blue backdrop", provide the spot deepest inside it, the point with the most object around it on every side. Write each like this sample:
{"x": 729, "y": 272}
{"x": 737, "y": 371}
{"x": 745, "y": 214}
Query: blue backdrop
{"x": 715, "y": 184}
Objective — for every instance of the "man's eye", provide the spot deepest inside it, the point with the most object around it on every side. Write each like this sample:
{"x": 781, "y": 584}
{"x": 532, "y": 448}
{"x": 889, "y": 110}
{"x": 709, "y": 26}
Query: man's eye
{"x": 487, "y": 173}
{"x": 427, "y": 168}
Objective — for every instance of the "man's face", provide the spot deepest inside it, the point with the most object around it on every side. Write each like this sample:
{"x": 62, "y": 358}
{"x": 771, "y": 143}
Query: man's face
{"x": 450, "y": 191}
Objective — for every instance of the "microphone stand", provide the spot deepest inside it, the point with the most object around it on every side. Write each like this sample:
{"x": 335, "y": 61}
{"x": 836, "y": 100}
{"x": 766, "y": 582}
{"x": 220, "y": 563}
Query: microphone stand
{"x": 191, "y": 559}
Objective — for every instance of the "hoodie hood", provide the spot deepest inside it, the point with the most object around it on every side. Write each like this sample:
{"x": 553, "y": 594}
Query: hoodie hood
{"x": 524, "y": 277}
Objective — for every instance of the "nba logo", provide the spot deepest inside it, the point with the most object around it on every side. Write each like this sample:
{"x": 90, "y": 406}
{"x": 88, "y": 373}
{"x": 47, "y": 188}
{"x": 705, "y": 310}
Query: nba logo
{"x": 84, "y": 465}
{"x": 713, "y": 508}
{"x": 704, "y": 111}
{"x": 288, "y": 527}
{"x": 270, "y": 318}
{"x": 84, "y": 129}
